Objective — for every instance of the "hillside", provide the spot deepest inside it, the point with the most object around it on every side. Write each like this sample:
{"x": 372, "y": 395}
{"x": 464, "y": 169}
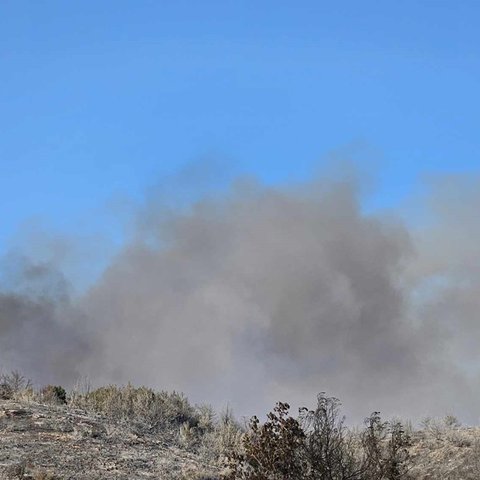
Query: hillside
{"x": 48, "y": 442}
{"x": 42, "y": 440}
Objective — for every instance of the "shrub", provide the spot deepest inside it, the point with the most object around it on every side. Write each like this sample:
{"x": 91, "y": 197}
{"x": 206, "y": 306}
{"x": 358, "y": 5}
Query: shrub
{"x": 6, "y": 392}
{"x": 54, "y": 394}
{"x": 451, "y": 422}
{"x": 222, "y": 437}
{"x": 385, "y": 445}
{"x": 141, "y": 407}
{"x": 317, "y": 446}
{"x": 330, "y": 452}
{"x": 206, "y": 418}
{"x": 13, "y": 384}
{"x": 187, "y": 435}
{"x": 272, "y": 450}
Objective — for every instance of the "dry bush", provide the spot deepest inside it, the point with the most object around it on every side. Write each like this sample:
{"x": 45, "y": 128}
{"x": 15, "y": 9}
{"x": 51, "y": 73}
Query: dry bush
{"x": 187, "y": 435}
{"x": 271, "y": 451}
{"x": 436, "y": 430}
{"x": 329, "y": 450}
{"x": 207, "y": 418}
{"x": 223, "y": 437}
{"x": 13, "y": 385}
{"x": 54, "y": 394}
{"x": 385, "y": 450}
{"x": 80, "y": 390}
{"x": 317, "y": 445}
{"x": 140, "y": 407}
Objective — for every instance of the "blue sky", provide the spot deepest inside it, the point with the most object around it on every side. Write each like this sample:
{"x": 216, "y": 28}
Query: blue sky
{"x": 102, "y": 98}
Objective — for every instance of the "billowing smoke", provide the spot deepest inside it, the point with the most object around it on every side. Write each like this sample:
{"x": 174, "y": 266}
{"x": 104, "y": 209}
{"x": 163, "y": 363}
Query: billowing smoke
{"x": 41, "y": 332}
{"x": 263, "y": 294}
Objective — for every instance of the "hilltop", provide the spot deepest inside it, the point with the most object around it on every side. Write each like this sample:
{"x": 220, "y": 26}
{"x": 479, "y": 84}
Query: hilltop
{"x": 58, "y": 442}
{"x": 135, "y": 433}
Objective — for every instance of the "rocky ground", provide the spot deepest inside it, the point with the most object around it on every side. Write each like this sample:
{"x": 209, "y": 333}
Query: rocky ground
{"x": 43, "y": 442}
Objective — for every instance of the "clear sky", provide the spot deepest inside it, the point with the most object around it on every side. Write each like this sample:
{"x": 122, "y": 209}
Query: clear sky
{"x": 99, "y": 98}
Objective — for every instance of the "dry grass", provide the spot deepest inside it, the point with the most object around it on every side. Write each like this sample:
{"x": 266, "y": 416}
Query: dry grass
{"x": 441, "y": 449}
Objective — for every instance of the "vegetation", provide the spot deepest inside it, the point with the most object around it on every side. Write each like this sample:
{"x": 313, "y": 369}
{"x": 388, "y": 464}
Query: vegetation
{"x": 316, "y": 444}
{"x": 13, "y": 384}
{"x": 53, "y": 394}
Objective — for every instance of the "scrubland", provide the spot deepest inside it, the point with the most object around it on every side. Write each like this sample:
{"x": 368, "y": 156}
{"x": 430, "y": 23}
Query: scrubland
{"x": 128, "y": 432}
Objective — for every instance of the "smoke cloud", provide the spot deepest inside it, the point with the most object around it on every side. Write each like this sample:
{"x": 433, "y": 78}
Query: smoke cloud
{"x": 41, "y": 331}
{"x": 262, "y": 294}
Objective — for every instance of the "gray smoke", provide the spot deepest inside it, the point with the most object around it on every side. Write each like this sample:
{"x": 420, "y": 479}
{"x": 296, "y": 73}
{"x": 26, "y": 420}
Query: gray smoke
{"x": 263, "y": 294}
{"x": 40, "y": 330}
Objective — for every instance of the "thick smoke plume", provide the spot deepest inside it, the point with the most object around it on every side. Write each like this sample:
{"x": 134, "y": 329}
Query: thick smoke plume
{"x": 40, "y": 331}
{"x": 263, "y": 294}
